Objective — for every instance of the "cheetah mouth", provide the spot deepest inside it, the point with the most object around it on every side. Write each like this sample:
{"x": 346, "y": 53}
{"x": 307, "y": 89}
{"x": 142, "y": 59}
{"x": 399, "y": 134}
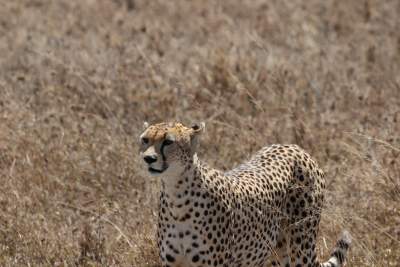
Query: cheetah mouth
{"x": 152, "y": 170}
{"x": 155, "y": 171}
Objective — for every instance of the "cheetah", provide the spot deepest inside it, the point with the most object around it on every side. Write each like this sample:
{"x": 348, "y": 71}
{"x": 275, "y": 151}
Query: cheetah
{"x": 265, "y": 212}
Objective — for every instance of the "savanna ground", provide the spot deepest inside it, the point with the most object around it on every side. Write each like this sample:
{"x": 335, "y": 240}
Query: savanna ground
{"x": 78, "y": 78}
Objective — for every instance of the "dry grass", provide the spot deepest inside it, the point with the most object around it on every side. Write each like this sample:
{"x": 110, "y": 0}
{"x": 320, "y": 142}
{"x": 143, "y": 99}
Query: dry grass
{"x": 77, "y": 78}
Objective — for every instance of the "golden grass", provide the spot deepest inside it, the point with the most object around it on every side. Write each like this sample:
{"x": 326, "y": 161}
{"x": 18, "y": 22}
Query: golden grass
{"x": 78, "y": 78}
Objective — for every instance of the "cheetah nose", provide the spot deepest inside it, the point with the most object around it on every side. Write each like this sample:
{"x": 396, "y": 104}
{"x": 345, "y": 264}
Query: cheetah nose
{"x": 150, "y": 159}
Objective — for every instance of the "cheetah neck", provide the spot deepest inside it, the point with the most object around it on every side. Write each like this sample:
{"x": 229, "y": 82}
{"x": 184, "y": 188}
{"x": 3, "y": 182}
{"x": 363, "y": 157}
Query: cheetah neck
{"x": 178, "y": 192}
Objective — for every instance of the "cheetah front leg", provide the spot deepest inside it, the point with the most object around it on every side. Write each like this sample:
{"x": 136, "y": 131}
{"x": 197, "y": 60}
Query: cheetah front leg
{"x": 303, "y": 238}
{"x": 281, "y": 254}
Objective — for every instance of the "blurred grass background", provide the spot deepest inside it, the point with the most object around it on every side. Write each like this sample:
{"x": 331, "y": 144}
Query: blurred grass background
{"x": 78, "y": 78}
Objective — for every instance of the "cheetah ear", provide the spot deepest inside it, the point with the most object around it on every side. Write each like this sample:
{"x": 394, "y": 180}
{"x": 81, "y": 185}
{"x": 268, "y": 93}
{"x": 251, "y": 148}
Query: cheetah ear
{"x": 198, "y": 128}
{"x": 145, "y": 125}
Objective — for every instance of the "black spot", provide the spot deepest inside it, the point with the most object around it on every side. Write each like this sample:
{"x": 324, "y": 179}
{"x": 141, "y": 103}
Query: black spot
{"x": 342, "y": 244}
{"x": 339, "y": 256}
{"x": 195, "y": 258}
{"x": 170, "y": 258}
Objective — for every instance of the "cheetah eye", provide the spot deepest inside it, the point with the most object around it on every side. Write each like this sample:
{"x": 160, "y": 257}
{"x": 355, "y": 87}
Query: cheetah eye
{"x": 145, "y": 140}
{"x": 167, "y": 142}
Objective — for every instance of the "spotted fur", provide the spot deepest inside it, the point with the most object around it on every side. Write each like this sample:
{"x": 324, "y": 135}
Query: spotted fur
{"x": 265, "y": 212}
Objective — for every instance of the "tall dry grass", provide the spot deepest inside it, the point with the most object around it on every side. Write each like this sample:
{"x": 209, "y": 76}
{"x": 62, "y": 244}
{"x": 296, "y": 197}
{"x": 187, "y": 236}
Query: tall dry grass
{"x": 77, "y": 78}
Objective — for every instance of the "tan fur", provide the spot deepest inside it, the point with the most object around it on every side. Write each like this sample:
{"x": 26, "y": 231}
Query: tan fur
{"x": 265, "y": 211}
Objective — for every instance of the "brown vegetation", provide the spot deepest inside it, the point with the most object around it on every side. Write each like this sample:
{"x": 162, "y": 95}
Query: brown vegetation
{"x": 78, "y": 78}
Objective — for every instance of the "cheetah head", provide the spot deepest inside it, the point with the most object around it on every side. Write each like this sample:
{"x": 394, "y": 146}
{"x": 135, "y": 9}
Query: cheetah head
{"x": 167, "y": 147}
